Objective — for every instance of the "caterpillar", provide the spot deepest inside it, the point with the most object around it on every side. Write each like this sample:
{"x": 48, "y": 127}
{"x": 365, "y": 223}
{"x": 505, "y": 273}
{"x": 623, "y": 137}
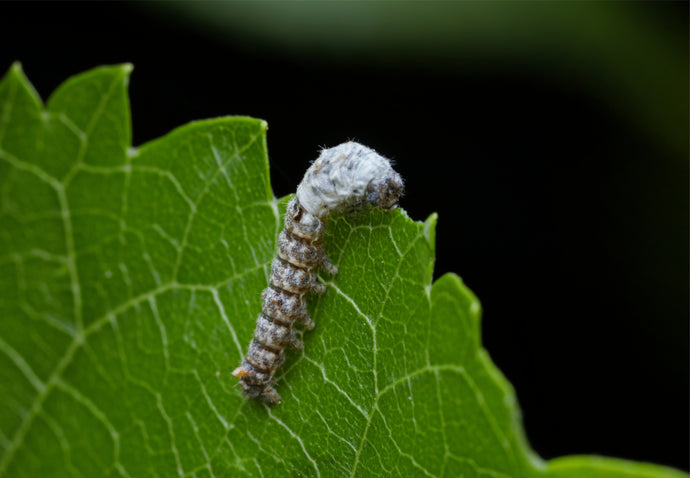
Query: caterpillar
{"x": 344, "y": 178}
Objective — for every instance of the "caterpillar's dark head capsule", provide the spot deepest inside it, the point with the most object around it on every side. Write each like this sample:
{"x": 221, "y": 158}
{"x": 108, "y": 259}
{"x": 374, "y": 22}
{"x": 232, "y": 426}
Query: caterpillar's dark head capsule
{"x": 384, "y": 193}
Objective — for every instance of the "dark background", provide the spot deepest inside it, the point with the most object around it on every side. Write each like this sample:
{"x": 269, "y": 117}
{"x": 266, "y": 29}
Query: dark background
{"x": 562, "y": 204}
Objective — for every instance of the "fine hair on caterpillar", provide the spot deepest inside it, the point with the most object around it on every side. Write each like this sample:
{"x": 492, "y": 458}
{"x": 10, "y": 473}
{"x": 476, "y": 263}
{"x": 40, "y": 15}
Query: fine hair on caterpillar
{"x": 346, "y": 177}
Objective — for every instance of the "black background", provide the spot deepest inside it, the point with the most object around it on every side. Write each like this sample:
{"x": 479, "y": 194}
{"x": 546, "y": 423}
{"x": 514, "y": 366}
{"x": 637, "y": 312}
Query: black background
{"x": 565, "y": 217}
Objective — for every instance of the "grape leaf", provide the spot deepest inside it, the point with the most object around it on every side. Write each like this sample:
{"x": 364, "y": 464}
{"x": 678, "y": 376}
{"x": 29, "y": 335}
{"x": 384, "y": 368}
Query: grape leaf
{"x": 129, "y": 284}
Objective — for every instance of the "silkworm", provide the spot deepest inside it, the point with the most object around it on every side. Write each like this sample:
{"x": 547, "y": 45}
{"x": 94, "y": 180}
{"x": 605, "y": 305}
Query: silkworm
{"x": 344, "y": 178}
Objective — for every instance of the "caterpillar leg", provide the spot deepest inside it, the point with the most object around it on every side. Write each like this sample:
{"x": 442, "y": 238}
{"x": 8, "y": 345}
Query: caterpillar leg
{"x": 296, "y": 343}
{"x": 256, "y": 385}
{"x": 270, "y": 396}
{"x": 306, "y": 321}
{"x": 328, "y": 267}
{"x": 317, "y": 288}
{"x": 241, "y": 371}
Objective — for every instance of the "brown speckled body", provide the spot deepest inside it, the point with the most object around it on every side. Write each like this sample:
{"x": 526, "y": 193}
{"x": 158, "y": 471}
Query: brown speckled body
{"x": 346, "y": 177}
{"x": 300, "y": 251}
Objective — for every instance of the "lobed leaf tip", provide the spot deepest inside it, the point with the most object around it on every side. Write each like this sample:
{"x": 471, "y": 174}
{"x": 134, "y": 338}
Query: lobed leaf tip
{"x": 430, "y": 230}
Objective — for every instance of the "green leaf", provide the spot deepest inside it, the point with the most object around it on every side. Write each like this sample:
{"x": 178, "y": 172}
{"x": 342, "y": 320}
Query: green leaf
{"x": 130, "y": 280}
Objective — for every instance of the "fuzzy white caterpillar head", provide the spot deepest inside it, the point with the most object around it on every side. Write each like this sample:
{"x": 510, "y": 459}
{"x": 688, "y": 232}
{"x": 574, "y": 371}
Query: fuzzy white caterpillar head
{"x": 348, "y": 176}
